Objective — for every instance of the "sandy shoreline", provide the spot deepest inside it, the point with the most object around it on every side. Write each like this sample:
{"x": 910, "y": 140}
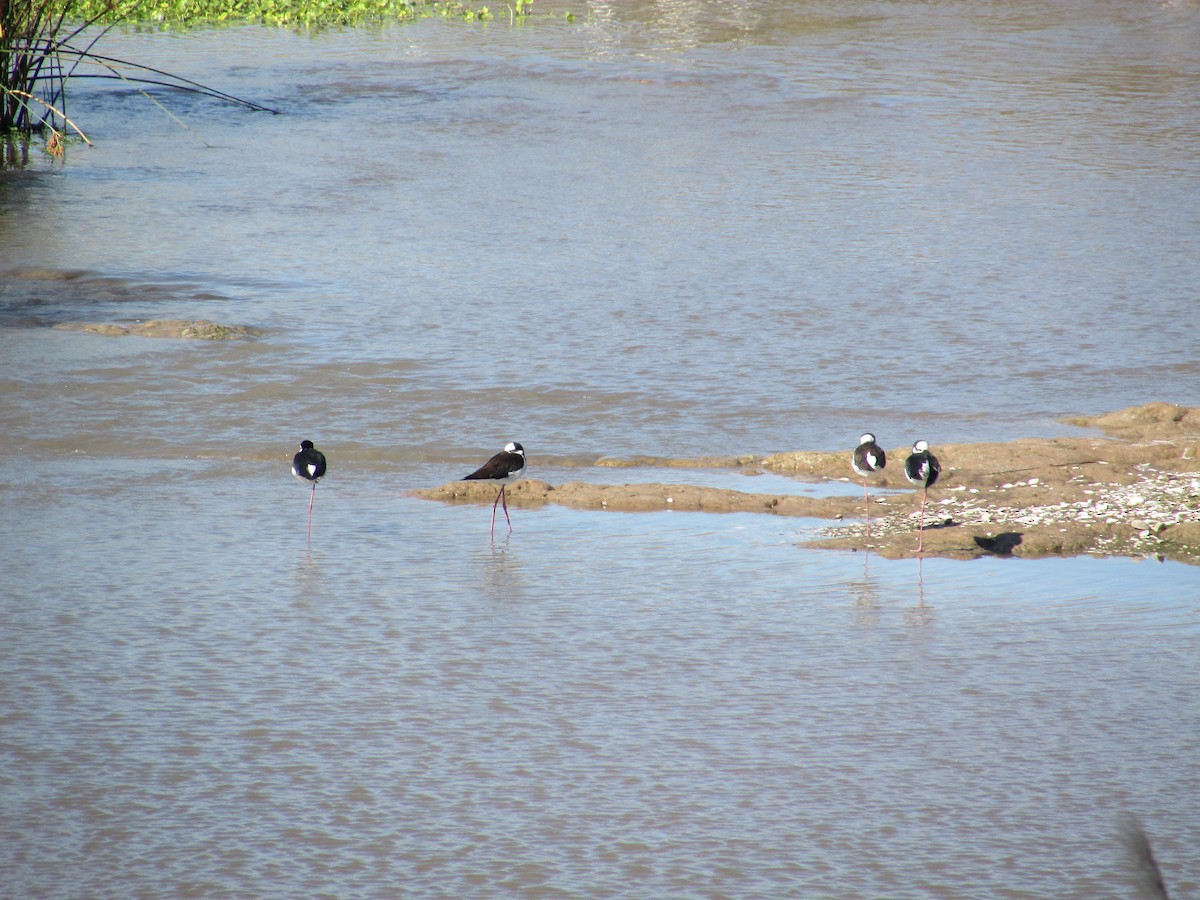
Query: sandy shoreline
{"x": 1134, "y": 491}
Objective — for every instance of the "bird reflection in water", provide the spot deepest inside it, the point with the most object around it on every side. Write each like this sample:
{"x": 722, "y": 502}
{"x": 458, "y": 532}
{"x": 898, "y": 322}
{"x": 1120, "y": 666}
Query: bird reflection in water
{"x": 502, "y": 573}
{"x": 866, "y": 595}
{"x": 921, "y": 614}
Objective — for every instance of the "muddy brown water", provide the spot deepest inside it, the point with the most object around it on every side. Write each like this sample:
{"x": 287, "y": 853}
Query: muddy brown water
{"x": 667, "y": 229}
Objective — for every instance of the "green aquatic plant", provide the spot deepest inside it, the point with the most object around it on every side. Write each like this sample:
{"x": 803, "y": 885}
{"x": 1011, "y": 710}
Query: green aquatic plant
{"x": 519, "y": 9}
{"x": 33, "y": 71}
{"x": 307, "y": 14}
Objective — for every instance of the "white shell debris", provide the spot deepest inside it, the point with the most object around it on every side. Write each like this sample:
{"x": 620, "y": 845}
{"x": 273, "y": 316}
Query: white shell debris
{"x": 1149, "y": 506}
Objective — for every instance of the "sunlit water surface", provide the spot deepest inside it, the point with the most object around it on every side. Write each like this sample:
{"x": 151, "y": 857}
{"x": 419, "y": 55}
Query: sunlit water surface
{"x": 663, "y": 229}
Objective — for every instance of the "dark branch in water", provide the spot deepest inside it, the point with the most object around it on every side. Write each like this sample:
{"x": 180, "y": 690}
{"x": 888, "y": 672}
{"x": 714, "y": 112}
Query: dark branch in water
{"x": 177, "y": 81}
{"x": 185, "y": 87}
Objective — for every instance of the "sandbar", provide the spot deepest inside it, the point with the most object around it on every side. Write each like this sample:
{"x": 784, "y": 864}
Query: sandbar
{"x": 1132, "y": 490}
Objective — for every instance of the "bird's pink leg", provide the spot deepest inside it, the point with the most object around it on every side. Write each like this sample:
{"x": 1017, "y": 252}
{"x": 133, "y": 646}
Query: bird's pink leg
{"x": 311, "y": 498}
{"x": 505, "y": 502}
{"x": 921, "y": 525}
{"x": 867, "y": 504}
{"x": 494, "y": 502}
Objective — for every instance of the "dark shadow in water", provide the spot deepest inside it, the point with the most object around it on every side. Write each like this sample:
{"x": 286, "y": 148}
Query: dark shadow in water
{"x": 1002, "y": 544}
{"x": 1149, "y": 880}
{"x": 14, "y": 152}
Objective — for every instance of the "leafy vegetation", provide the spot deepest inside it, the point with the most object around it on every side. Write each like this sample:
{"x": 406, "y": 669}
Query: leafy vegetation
{"x": 294, "y": 13}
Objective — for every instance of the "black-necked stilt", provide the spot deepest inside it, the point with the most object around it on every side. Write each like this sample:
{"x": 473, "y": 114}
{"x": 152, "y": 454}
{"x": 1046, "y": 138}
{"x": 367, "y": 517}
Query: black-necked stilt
{"x": 309, "y": 465}
{"x": 922, "y": 468}
{"x": 868, "y": 458}
{"x": 503, "y": 469}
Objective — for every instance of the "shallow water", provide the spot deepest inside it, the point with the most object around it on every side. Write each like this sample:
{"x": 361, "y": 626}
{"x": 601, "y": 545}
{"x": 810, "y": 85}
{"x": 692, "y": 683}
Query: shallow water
{"x": 666, "y": 704}
{"x": 751, "y": 228}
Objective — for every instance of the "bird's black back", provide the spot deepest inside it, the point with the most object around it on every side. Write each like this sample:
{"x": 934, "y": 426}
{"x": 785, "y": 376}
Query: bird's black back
{"x": 922, "y": 468}
{"x": 503, "y": 465}
{"x": 869, "y": 457}
{"x": 309, "y": 463}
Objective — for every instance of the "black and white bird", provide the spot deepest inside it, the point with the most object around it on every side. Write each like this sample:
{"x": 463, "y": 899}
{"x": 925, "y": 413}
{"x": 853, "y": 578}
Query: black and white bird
{"x": 309, "y": 465}
{"x": 868, "y": 458}
{"x": 922, "y": 468}
{"x": 502, "y": 469}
